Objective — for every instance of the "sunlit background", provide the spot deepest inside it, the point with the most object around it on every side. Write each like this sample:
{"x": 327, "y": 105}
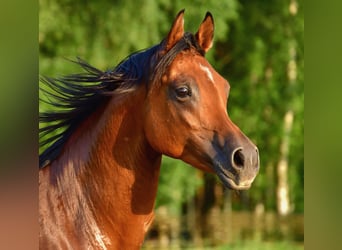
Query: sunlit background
{"x": 259, "y": 49}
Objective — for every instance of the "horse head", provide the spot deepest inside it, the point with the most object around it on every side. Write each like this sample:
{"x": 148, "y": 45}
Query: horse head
{"x": 186, "y": 109}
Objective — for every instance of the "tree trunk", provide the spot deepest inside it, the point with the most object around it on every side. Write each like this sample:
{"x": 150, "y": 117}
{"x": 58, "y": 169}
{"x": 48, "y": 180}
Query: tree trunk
{"x": 283, "y": 200}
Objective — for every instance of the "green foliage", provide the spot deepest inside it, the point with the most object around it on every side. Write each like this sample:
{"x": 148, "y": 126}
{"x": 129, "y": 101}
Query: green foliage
{"x": 104, "y": 32}
{"x": 178, "y": 183}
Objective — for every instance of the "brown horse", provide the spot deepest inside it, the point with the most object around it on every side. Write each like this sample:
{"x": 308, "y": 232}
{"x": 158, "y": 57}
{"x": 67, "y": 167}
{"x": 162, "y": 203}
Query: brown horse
{"x": 98, "y": 178}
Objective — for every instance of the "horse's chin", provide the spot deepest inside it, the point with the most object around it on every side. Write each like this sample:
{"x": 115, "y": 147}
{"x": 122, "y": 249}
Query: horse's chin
{"x": 230, "y": 183}
{"x": 228, "y": 179}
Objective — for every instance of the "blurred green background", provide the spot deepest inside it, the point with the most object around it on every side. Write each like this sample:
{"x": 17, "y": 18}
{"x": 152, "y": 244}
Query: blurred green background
{"x": 259, "y": 48}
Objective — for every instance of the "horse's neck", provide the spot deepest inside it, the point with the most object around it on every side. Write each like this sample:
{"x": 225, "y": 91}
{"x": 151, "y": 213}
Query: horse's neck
{"x": 108, "y": 186}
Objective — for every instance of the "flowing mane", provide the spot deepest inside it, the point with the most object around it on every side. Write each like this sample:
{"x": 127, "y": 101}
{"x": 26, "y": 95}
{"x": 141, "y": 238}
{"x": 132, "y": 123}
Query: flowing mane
{"x": 75, "y": 97}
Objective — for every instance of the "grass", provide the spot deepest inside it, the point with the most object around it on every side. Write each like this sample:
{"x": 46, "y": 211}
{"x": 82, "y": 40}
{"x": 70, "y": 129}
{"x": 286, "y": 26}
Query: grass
{"x": 246, "y": 245}
{"x": 259, "y": 245}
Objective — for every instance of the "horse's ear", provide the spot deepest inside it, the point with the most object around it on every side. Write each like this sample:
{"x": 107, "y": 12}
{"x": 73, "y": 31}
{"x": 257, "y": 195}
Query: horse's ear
{"x": 205, "y": 33}
{"x": 176, "y": 32}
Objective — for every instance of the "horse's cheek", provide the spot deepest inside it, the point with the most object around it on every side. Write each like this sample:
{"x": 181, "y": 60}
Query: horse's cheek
{"x": 152, "y": 133}
{"x": 162, "y": 139}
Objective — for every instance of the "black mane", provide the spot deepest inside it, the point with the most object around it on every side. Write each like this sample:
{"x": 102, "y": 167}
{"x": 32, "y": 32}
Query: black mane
{"x": 76, "y": 96}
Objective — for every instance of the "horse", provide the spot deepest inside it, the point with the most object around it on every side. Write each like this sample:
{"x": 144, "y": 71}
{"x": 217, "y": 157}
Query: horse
{"x": 98, "y": 175}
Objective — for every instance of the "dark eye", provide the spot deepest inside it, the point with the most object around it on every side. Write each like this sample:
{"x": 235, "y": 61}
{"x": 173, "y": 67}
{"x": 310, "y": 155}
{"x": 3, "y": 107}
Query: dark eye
{"x": 183, "y": 92}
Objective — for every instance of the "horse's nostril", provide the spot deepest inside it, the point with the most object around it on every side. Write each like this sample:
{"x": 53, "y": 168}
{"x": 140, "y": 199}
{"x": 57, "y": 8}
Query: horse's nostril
{"x": 238, "y": 158}
{"x": 258, "y": 159}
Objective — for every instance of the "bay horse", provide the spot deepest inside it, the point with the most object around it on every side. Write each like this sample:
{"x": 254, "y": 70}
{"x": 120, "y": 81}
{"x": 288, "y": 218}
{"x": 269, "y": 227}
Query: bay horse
{"x": 98, "y": 176}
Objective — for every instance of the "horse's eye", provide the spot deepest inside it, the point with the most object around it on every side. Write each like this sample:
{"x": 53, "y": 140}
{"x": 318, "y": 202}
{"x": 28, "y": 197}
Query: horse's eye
{"x": 183, "y": 92}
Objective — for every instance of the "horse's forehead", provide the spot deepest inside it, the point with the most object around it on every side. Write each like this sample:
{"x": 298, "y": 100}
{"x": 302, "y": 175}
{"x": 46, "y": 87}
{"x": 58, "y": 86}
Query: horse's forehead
{"x": 195, "y": 66}
{"x": 206, "y": 70}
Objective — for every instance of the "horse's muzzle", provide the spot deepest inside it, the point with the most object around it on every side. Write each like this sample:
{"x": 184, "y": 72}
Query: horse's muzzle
{"x": 237, "y": 164}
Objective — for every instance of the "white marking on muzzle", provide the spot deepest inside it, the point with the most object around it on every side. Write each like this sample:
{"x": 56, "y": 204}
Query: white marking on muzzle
{"x": 207, "y": 71}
